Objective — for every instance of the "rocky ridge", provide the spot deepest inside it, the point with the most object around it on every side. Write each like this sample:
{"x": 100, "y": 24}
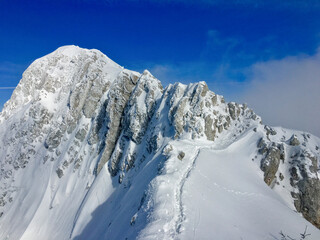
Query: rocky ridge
{"x": 79, "y": 112}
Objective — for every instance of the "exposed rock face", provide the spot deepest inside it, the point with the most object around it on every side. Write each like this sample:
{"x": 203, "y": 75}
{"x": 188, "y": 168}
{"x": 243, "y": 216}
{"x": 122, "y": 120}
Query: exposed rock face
{"x": 308, "y": 200}
{"x": 293, "y": 141}
{"x": 302, "y": 164}
{"x": 118, "y": 96}
{"x": 181, "y": 155}
{"x": 270, "y": 164}
{"x": 79, "y": 112}
{"x": 305, "y": 178}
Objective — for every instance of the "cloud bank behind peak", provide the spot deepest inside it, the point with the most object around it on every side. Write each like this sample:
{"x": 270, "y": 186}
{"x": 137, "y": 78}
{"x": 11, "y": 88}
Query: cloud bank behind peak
{"x": 286, "y": 92}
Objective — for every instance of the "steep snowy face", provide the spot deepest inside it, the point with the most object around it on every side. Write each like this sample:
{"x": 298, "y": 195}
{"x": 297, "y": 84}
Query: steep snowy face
{"x": 81, "y": 134}
{"x": 50, "y": 79}
{"x": 54, "y": 118}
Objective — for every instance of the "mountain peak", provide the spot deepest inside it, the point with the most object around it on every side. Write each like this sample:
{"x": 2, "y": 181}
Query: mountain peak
{"x": 49, "y": 79}
{"x": 69, "y": 50}
{"x": 147, "y": 73}
{"x": 73, "y": 52}
{"x": 116, "y": 156}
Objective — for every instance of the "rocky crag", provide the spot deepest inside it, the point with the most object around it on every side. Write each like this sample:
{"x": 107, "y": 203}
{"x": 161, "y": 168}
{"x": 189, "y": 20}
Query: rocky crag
{"x": 76, "y": 113}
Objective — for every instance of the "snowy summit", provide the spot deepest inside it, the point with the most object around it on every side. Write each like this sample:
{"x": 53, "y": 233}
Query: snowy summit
{"x": 90, "y": 150}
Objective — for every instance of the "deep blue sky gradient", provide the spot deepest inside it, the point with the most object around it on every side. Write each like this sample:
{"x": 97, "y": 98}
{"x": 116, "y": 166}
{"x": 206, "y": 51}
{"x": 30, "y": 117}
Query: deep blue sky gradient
{"x": 183, "y": 41}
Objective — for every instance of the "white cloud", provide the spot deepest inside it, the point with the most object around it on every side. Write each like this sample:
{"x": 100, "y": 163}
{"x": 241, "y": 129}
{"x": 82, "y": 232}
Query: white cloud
{"x": 9, "y": 67}
{"x": 10, "y": 73}
{"x": 6, "y": 88}
{"x": 286, "y": 92}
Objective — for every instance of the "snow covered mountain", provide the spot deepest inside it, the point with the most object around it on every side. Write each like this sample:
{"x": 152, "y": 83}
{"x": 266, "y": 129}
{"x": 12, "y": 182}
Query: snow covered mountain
{"x": 90, "y": 150}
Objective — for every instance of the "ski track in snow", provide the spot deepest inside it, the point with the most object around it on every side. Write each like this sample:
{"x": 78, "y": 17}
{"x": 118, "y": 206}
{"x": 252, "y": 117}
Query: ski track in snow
{"x": 182, "y": 216}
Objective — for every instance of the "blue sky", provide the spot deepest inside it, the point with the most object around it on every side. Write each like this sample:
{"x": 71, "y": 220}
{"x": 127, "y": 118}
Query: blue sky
{"x": 187, "y": 41}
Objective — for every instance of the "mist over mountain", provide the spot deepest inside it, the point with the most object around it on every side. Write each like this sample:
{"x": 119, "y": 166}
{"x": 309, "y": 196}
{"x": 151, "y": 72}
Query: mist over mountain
{"x": 90, "y": 150}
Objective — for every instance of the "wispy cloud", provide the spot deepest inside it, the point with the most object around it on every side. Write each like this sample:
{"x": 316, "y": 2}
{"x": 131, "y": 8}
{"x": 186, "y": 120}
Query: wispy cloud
{"x": 286, "y": 92}
{"x": 218, "y": 47}
{"x": 236, "y": 49}
{"x": 6, "y": 88}
{"x": 10, "y": 67}
{"x": 10, "y": 73}
{"x": 213, "y": 65}
{"x": 184, "y": 72}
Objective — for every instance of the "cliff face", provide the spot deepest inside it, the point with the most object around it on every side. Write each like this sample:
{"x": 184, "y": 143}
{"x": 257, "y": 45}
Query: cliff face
{"x": 76, "y": 115}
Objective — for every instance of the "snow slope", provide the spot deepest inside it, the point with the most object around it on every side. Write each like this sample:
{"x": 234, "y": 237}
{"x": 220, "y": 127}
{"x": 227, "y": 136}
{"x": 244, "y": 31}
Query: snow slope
{"x": 209, "y": 194}
{"x": 231, "y": 200}
{"x": 90, "y": 150}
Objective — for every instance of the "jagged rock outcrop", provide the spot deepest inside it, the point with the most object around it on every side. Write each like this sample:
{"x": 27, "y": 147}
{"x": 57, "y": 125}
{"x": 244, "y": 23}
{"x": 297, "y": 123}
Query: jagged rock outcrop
{"x": 76, "y": 112}
{"x": 80, "y": 100}
{"x": 118, "y": 96}
{"x": 293, "y": 141}
{"x": 307, "y": 200}
{"x": 303, "y": 166}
